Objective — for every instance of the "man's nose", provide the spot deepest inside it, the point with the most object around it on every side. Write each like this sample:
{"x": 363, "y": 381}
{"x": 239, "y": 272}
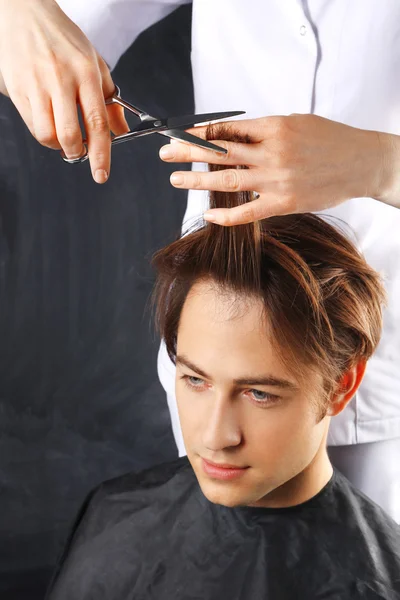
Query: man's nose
{"x": 221, "y": 425}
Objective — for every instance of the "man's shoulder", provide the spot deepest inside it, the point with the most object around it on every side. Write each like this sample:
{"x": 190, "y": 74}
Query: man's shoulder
{"x": 151, "y": 479}
{"x": 131, "y": 497}
{"x": 352, "y": 502}
{"x": 370, "y": 540}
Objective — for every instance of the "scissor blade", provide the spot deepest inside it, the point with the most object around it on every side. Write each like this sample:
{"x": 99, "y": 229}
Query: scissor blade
{"x": 158, "y": 125}
{"x": 191, "y": 120}
{"x": 184, "y": 136}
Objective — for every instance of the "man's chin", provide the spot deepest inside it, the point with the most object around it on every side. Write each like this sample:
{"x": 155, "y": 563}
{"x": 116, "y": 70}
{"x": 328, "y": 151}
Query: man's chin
{"x": 224, "y": 493}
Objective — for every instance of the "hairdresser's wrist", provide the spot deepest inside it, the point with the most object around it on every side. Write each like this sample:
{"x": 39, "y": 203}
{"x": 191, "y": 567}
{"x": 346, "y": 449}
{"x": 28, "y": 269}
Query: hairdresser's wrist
{"x": 20, "y": 4}
{"x": 387, "y": 174}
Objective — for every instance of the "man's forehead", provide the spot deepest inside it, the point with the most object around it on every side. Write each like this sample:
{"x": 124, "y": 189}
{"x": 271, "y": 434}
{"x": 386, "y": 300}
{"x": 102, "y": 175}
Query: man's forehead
{"x": 222, "y": 303}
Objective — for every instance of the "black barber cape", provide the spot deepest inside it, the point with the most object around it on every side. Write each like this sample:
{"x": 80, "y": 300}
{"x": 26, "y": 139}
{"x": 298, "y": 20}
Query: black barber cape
{"x": 155, "y": 536}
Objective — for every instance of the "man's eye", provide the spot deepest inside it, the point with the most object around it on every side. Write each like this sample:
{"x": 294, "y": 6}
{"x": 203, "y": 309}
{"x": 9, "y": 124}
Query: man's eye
{"x": 259, "y": 395}
{"x": 192, "y": 382}
{"x": 196, "y": 381}
{"x": 264, "y": 397}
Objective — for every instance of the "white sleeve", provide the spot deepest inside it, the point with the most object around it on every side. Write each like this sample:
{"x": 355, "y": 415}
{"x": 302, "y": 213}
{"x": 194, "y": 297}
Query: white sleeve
{"x": 113, "y": 25}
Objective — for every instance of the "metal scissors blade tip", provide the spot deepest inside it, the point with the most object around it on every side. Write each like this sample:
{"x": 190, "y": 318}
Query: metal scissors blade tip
{"x": 192, "y": 120}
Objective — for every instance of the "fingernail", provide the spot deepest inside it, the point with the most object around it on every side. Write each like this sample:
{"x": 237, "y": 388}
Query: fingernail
{"x": 167, "y": 152}
{"x": 100, "y": 176}
{"x": 176, "y": 179}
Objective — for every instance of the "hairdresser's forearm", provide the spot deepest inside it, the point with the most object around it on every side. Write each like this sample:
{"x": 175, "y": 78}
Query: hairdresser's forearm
{"x": 387, "y": 176}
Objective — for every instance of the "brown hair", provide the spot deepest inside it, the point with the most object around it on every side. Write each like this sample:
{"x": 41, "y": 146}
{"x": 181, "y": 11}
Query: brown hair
{"x": 322, "y": 300}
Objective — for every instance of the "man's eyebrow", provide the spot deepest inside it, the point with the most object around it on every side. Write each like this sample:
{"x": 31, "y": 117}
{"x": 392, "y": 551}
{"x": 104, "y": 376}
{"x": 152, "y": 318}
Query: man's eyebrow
{"x": 269, "y": 380}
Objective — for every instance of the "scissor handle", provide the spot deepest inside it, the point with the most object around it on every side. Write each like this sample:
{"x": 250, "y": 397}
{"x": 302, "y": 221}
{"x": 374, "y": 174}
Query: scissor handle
{"x": 114, "y": 99}
{"x": 118, "y": 139}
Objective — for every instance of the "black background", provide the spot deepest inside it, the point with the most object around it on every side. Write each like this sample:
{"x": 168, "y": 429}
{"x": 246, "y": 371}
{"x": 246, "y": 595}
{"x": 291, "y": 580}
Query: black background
{"x": 80, "y": 400}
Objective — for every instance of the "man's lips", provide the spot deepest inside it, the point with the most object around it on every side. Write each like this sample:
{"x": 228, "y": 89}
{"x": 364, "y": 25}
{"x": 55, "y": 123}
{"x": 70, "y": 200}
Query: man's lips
{"x": 223, "y": 465}
{"x": 222, "y": 471}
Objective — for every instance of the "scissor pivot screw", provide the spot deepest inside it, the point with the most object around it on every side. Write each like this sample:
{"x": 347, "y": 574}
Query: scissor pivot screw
{"x": 157, "y": 123}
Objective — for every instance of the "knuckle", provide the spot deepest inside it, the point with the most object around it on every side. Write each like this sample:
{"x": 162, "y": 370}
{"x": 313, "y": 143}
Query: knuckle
{"x": 226, "y": 219}
{"x": 87, "y": 76}
{"x": 87, "y": 66}
{"x": 267, "y": 154}
{"x": 87, "y": 73}
{"x": 70, "y": 137}
{"x": 299, "y": 119}
{"x": 51, "y": 63}
{"x": 281, "y": 159}
{"x": 281, "y": 127}
{"x": 185, "y": 152}
{"x": 98, "y": 156}
{"x": 18, "y": 96}
{"x": 197, "y": 182}
{"x": 278, "y": 162}
{"x": 46, "y": 137}
{"x": 97, "y": 122}
{"x": 231, "y": 180}
{"x": 61, "y": 70}
{"x": 248, "y": 213}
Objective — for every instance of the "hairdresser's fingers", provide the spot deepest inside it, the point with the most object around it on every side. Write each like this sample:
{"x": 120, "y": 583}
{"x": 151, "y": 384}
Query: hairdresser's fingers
{"x": 261, "y": 208}
{"x": 42, "y": 119}
{"x": 97, "y": 127}
{"x": 226, "y": 180}
{"x": 256, "y": 129}
{"x": 68, "y": 131}
{"x": 238, "y": 154}
{"x": 239, "y": 215}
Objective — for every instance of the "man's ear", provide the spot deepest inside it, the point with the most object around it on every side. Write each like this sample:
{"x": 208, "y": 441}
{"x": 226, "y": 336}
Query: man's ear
{"x": 347, "y": 387}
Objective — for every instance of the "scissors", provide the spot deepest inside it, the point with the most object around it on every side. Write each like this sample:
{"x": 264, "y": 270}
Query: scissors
{"x": 172, "y": 127}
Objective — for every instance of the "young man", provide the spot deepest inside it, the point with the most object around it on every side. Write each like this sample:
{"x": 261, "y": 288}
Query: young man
{"x": 270, "y": 326}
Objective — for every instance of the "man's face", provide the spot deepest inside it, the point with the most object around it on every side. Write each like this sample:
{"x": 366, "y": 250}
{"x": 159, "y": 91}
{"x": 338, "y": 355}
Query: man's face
{"x": 230, "y": 413}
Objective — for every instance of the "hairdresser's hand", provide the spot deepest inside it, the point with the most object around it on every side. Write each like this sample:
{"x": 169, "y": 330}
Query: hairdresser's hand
{"x": 47, "y": 65}
{"x": 297, "y": 164}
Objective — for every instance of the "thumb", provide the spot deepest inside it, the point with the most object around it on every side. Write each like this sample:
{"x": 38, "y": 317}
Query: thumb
{"x": 258, "y": 209}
